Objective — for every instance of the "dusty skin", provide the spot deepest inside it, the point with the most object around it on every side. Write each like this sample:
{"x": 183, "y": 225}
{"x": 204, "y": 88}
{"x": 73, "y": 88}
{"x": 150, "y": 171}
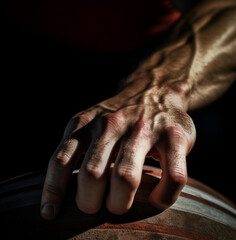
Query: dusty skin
{"x": 147, "y": 117}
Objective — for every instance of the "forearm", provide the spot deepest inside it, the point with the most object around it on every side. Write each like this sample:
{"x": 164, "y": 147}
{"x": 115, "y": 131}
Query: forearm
{"x": 147, "y": 117}
{"x": 198, "y": 64}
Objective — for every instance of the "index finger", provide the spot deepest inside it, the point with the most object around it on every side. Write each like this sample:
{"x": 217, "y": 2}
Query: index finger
{"x": 59, "y": 171}
{"x": 62, "y": 164}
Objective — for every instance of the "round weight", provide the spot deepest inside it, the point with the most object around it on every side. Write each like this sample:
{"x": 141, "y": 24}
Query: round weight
{"x": 199, "y": 213}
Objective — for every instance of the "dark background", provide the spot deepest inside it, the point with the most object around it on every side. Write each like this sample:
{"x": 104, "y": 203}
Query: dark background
{"x": 45, "y": 82}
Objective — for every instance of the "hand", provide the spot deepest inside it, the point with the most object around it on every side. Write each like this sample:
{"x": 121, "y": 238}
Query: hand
{"x": 148, "y": 117}
{"x": 136, "y": 123}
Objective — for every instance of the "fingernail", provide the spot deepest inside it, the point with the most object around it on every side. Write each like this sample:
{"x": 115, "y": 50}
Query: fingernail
{"x": 47, "y": 211}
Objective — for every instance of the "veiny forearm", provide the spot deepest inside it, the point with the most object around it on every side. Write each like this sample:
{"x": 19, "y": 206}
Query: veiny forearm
{"x": 213, "y": 68}
{"x": 198, "y": 64}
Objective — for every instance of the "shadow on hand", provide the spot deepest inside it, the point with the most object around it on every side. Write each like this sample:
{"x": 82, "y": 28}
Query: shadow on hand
{"x": 20, "y": 204}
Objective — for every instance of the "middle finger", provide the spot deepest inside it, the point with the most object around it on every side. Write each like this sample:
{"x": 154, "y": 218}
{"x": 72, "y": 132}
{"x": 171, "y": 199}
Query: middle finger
{"x": 92, "y": 177}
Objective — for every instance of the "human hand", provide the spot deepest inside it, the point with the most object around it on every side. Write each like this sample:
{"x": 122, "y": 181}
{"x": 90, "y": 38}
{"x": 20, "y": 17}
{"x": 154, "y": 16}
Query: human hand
{"x": 138, "y": 122}
{"x": 148, "y": 117}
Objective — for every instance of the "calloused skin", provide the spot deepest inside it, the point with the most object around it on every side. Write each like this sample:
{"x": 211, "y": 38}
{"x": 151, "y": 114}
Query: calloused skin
{"x": 148, "y": 117}
{"x": 130, "y": 132}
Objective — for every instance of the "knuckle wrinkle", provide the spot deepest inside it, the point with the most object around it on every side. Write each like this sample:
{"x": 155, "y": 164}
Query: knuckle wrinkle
{"x": 129, "y": 176}
{"x": 93, "y": 171}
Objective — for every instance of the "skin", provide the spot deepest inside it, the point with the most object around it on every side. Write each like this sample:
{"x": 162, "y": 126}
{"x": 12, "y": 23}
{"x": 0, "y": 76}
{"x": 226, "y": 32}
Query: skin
{"x": 149, "y": 116}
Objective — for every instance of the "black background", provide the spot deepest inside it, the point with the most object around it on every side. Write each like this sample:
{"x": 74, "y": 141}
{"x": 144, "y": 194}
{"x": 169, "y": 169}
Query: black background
{"x": 45, "y": 82}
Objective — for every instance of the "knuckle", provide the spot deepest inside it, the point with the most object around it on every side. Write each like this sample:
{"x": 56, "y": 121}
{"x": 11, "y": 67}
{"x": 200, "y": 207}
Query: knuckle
{"x": 113, "y": 120}
{"x": 93, "y": 170}
{"x": 175, "y": 131}
{"x": 82, "y": 119}
{"x": 177, "y": 177}
{"x": 61, "y": 159}
{"x": 129, "y": 175}
{"x": 110, "y": 123}
{"x": 182, "y": 119}
{"x": 176, "y": 136}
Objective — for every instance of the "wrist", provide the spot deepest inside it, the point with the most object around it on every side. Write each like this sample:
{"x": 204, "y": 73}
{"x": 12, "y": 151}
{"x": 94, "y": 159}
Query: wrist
{"x": 155, "y": 88}
{"x": 165, "y": 75}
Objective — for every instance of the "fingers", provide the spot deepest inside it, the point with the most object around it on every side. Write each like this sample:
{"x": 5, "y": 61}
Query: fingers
{"x": 58, "y": 174}
{"x": 92, "y": 177}
{"x": 127, "y": 172}
{"x": 136, "y": 139}
{"x": 173, "y": 151}
{"x": 60, "y": 168}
